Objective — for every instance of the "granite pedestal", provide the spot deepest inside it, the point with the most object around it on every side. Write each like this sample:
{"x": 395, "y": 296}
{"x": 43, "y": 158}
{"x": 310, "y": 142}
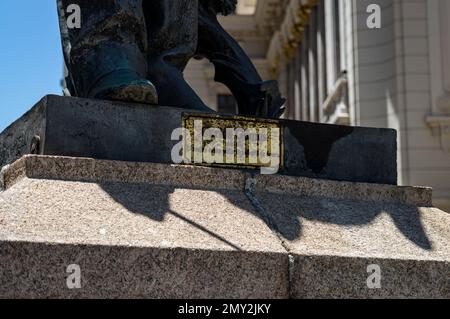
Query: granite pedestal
{"x": 143, "y": 230}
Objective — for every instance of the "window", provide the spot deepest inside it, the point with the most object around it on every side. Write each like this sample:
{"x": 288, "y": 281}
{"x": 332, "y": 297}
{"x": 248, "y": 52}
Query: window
{"x": 316, "y": 76}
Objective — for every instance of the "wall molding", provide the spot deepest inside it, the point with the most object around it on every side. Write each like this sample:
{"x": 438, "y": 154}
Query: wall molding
{"x": 440, "y": 127}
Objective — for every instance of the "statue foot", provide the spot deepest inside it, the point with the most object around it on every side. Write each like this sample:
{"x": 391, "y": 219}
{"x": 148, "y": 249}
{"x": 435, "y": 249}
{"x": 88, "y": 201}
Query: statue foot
{"x": 141, "y": 91}
{"x": 125, "y": 86}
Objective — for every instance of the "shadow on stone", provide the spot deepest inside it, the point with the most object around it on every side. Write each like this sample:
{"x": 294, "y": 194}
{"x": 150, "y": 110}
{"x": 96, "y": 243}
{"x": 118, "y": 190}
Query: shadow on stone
{"x": 288, "y": 211}
{"x": 409, "y": 222}
{"x": 285, "y": 212}
{"x": 152, "y": 201}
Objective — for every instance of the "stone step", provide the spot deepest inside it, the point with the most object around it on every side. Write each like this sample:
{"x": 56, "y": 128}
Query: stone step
{"x": 142, "y": 230}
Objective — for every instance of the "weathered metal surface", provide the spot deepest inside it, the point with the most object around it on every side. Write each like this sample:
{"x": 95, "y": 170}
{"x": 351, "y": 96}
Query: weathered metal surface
{"x": 139, "y": 133}
{"x": 242, "y": 142}
{"x": 133, "y": 50}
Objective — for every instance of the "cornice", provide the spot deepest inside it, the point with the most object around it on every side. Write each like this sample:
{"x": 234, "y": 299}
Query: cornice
{"x": 290, "y": 33}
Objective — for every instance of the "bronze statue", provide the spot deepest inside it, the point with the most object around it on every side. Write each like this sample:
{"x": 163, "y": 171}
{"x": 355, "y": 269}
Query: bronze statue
{"x": 136, "y": 50}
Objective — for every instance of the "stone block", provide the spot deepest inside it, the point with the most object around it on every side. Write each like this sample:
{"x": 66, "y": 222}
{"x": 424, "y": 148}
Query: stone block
{"x": 336, "y": 231}
{"x": 75, "y": 127}
{"x": 142, "y": 230}
{"x": 161, "y": 235}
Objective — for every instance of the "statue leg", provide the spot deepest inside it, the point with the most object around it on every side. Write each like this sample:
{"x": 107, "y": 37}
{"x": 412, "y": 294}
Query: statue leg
{"x": 235, "y": 69}
{"x": 172, "y": 33}
{"x": 106, "y": 56}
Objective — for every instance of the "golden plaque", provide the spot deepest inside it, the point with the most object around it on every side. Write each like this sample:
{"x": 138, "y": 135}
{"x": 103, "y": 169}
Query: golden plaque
{"x": 232, "y": 141}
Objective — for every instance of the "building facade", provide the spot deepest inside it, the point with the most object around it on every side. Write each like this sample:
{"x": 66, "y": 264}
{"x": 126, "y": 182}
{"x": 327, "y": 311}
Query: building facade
{"x": 375, "y": 63}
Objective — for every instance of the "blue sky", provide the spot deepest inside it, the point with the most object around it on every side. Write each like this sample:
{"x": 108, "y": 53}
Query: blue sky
{"x": 31, "y": 63}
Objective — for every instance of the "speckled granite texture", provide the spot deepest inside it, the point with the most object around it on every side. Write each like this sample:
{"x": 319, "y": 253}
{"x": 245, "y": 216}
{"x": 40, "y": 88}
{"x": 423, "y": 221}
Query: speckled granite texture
{"x": 161, "y": 231}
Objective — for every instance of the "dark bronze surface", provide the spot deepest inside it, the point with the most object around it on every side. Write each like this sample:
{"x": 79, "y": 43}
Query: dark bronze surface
{"x": 137, "y": 50}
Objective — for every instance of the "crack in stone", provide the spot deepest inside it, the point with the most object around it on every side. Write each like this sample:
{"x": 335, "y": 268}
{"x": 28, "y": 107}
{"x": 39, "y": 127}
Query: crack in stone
{"x": 2, "y": 177}
{"x": 250, "y": 185}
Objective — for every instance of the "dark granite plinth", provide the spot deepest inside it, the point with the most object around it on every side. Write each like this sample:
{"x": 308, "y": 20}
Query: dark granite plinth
{"x": 139, "y": 133}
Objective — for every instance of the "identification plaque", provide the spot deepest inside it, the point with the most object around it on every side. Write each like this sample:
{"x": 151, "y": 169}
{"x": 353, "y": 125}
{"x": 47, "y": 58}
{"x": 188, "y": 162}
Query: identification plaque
{"x": 233, "y": 141}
